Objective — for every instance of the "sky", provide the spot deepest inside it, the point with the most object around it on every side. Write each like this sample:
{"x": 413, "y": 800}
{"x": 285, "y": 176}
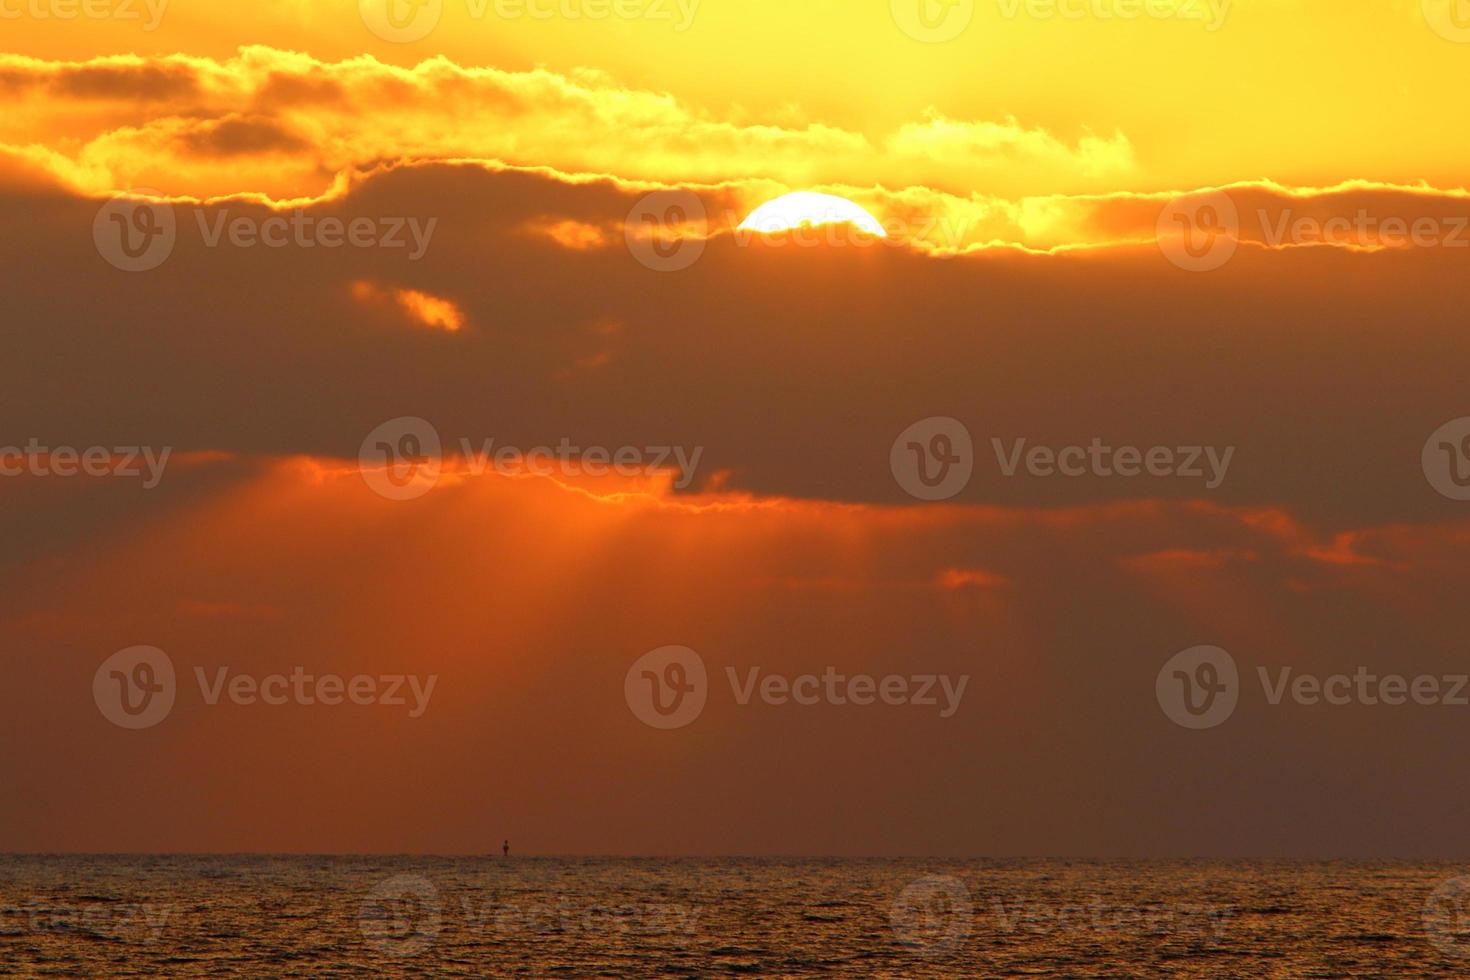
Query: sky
{"x": 421, "y": 346}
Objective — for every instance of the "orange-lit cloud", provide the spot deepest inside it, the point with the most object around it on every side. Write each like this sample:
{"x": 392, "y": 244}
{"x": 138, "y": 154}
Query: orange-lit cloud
{"x": 282, "y": 123}
{"x": 529, "y": 599}
{"x": 591, "y": 344}
{"x": 423, "y": 309}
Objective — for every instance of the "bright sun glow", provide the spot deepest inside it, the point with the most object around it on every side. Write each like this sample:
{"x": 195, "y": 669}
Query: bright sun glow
{"x": 811, "y": 209}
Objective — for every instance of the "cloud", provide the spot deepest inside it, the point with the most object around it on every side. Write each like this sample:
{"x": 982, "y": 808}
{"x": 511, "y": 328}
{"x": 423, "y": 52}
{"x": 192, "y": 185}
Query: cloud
{"x": 235, "y": 136}
{"x": 995, "y": 151}
{"x": 845, "y": 346}
{"x": 420, "y": 307}
{"x": 289, "y": 122}
{"x": 529, "y": 600}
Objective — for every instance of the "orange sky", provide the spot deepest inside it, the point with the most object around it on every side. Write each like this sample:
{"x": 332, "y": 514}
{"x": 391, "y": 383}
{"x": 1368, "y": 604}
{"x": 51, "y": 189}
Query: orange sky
{"x": 1030, "y": 171}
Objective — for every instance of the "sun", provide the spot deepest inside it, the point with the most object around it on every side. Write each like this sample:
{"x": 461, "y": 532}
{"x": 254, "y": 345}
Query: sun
{"x": 810, "y": 209}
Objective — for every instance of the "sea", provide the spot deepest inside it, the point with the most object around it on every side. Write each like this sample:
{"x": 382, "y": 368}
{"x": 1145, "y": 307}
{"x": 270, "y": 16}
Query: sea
{"x": 344, "y": 916}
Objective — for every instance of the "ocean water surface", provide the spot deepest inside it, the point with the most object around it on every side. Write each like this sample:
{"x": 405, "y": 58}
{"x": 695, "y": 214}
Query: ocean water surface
{"x": 217, "y": 916}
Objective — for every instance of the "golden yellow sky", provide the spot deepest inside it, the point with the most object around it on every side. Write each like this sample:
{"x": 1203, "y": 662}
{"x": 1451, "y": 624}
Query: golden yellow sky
{"x": 1030, "y": 98}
